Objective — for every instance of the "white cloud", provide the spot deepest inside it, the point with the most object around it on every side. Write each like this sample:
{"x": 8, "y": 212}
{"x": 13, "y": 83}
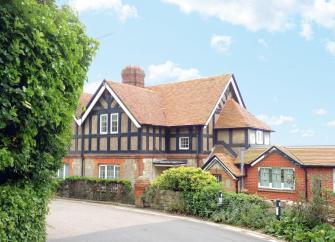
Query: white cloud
{"x": 321, "y": 111}
{"x": 306, "y": 31}
{"x": 221, "y": 42}
{"x": 307, "y": 133}
{"x": 303, "y": 132}
{"x": 276, "y": 120}
{"x": 255, "y": 15}
{"x": 91, "y": 87}
{"x": 330, "y": 47}
{"x": 170, "y": 71}
{"x": 263, "y": 43}
{"x": 123, "y": 11}
{"x": 331, "y": 123}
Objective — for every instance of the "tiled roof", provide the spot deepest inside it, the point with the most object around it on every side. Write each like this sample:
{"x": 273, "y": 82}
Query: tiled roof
{"x": 83, "y": 101}
{"x": 144, "y": 104}
{"x": 234, "y": 115}
{"x": 223, "y": 155}
{"x": 191, "y": 102}
{"x": 305, "y": 155}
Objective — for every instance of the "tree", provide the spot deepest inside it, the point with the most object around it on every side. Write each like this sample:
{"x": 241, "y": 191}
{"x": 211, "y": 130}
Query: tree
{"x": 44, "y": 57}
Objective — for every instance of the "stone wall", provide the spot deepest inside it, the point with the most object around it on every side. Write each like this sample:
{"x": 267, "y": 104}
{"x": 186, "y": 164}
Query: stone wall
{"x": 163, "y": 200}
{"x": 98, "y": 190}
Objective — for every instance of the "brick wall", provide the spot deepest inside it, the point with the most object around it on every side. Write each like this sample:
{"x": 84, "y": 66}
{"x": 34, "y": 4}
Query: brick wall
{"x": 275, "y": 160}
{"x": 325, "y": 175}
{"x": 228, "y": 182}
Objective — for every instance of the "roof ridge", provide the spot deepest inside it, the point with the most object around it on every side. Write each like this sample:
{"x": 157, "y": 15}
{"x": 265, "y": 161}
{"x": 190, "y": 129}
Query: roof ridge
{"x": 205, "y": 78}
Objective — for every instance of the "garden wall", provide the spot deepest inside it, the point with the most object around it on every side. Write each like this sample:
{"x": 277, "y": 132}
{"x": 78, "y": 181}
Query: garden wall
{"x": 164, "y": 200}
{"x": 97, "y": 189}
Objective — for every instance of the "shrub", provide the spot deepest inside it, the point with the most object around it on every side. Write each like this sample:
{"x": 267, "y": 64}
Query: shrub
{"x": 22, "y": 212}
{"x": 116, "y": 190}
{"x": 199, "y": 189}
{"x": 44, "y": 55}
{"x": 243, "y": 210}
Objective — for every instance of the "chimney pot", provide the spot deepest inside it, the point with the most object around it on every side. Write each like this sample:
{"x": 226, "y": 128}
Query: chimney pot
{"x": 133, "y": 75}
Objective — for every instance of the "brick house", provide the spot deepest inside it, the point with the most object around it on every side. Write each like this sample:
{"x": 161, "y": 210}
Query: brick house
{"x": 127, "y": 130}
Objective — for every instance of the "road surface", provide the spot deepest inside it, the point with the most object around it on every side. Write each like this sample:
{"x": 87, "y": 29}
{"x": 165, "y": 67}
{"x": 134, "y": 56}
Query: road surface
{"x": 75, "y": 221}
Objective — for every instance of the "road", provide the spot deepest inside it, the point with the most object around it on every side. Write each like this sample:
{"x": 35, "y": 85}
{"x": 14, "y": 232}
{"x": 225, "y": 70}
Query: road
{"x": 70, "y": 220}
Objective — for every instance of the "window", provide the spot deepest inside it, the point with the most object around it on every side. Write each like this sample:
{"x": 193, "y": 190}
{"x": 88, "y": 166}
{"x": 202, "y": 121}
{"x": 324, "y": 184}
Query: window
{"x": 184, "y": 143}
{"x": 218, "y": 177}
{"x": 114, "y": 123}
{"x": 109, "y": 171}
{"x": 103, "y": 124}
{"x": 259, "y": 137}
{"x": 266, "y": 138}
{"x": 63, "y": 172}
{"x": 276, "y": 178}
{"x": 252, "y": 137}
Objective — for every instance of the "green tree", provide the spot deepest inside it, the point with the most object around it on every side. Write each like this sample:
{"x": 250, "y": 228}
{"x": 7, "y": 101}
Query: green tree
{"x": 44, "y": 57}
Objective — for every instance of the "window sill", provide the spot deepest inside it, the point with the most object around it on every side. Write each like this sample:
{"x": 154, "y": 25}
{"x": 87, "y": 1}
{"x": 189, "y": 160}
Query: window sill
{"x": 275, "y": 190}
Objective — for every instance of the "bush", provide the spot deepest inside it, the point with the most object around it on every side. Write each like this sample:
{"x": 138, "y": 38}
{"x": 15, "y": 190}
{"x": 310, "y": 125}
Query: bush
{"x": 114, "y": 190}
{"x": 244, "y": 210}
{"x": 290, "y": 228}
{"x": 199, "y": 189}
{"x": 44, "y": 56}
{"x": 22, "y": 212}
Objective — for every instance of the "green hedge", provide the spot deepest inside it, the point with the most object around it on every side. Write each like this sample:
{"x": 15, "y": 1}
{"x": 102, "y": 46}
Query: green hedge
{"x": 115, "y": 190}
{"x": 22, "y": 212}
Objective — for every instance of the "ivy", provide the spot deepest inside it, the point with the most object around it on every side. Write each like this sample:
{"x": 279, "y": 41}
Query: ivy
{"x": 44, "y": 57}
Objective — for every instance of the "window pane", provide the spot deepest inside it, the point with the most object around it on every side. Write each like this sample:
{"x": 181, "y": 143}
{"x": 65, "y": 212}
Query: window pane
{"x": 61, "y": 173}
{"x": 67, "y": 170}
{"x": 252, "y": 137}
{"x": 110, "y": 171}
{"x": 183, "y": 142}
{"x": 259, "y": 137}
{"x": 264, "y": 177}
{"x": 117, "y": 172}
{"x": 102, "y": 172}
{"x": 103, "y": 123}
{"x": 288, "y": 177}
{"x": 114, "y": 122}
{"x": 276, "y": 178}
{"x": 267, "y": 138}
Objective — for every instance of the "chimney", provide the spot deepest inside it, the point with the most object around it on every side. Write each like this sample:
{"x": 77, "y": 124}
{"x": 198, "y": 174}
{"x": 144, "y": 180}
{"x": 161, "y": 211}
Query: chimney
{"x": 133, "y": 75}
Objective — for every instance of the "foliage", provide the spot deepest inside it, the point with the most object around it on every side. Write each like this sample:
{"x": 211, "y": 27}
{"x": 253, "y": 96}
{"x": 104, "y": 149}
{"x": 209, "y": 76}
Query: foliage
{"x": 290, "y": 228}
{"x": 244, "y": 210}
{"x": 199, "y": 189}
{"x": 115, "y": 190}
{"x": 44, "y": 57}
{"x": 184, "y": 179}
{"x": 22, "y": 212}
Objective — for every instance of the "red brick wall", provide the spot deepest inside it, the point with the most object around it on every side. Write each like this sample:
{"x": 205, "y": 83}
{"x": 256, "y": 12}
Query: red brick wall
{"x": 275, "y": 160}
{"x": 225, "y": 177}
{"x": 323, "y": 174}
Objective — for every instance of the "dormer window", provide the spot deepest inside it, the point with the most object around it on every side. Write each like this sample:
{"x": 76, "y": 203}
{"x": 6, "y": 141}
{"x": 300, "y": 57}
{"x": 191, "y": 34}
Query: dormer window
{"x": 114, "y": 123}
{"x": 259, "y": 137}
{"x": 103, "y": 123}
{"x": 252, "y": 137}
{"x": 184, "y": 143}
{"x": 266, "y": 138}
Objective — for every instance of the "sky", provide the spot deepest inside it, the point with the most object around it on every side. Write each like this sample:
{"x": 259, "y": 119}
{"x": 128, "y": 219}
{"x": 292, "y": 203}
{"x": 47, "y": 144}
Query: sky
{"x": 281, "y": 52}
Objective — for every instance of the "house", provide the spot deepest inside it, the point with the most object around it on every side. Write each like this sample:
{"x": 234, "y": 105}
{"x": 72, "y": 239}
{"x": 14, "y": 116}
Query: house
{"x": 127, "y": 130}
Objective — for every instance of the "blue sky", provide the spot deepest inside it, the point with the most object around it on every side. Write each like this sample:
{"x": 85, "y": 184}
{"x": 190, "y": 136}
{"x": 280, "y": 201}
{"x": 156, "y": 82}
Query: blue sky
{"x": 282, "y": 53}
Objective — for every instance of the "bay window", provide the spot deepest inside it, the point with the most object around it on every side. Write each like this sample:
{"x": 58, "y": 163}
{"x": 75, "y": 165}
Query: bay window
{"x": 276, "y": 178}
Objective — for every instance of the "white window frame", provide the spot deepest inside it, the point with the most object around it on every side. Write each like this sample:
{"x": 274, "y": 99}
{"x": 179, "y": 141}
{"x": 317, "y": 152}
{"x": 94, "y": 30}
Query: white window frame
{"x": 64, "y": 171}
{"x": 333, "y": 179}
{"x": 259, "y": 137}
{"x": 103, "y": 115}
{"x": 117, "y": 123}
{"x": 282, "y": 183}
{"x": 187, "y": 145}
{"x": 114, "y": 171}
{"x": 267, "y": 138}
{"x": 252, "y": 134}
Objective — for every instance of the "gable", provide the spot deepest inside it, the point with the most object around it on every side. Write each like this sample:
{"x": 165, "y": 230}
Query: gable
{"x": 102, "y": 96}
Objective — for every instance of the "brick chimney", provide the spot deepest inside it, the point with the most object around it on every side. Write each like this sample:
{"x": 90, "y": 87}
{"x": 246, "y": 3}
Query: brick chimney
{"x": 133, "y": 75}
